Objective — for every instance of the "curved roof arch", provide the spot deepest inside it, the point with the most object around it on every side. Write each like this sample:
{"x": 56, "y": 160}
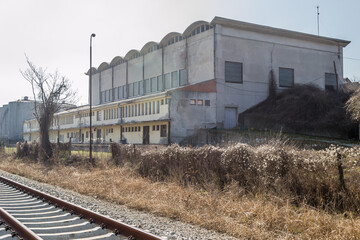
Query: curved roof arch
{"x": 131, "y": 53}
{"x": 193, "y": 26}
{"x": 103, "y": 66}
{"x": 93, "y": 71}
{"x": 116, "y": 60}
{"x": 169, "y": 36}
{"x": 147, "y": 46}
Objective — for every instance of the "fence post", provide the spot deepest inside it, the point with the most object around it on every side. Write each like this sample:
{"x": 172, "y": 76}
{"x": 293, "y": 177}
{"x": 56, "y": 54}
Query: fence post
{"x": 70, "y": 146}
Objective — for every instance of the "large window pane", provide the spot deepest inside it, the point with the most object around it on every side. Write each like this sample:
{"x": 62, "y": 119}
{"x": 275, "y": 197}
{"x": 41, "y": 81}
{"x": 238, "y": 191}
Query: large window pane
{"x": 153, "y": 84}
{"x": 183, "y": 77}
{"x": 159, "y": 83}
{"x": 233, "y": 72}
{"x": 167, "y": 81}
{"x": 131, "y": 90}
{"x": 174, "y": 79}
{"x": 286, "y": 77}
{"x": 136, "y": 88}
{"x": 141, "y": 87}
{"x": 147, "y": 86}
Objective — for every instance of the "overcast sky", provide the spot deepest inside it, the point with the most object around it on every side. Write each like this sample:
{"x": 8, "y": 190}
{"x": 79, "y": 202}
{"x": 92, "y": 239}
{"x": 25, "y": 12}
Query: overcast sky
{"x": 55, "y": 33}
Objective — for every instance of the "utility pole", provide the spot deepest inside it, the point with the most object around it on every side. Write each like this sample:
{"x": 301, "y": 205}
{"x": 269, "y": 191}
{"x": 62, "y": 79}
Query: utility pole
{"x": 318, "y": 15}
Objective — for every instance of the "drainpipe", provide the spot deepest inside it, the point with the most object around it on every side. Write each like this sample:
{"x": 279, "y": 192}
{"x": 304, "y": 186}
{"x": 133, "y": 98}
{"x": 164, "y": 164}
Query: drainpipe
{"x": 186, "y": 60}
{"x": 169, "y": 117}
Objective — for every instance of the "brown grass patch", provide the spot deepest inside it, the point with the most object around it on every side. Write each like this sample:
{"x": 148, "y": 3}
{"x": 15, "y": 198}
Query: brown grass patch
{"x": 239, "y": 190}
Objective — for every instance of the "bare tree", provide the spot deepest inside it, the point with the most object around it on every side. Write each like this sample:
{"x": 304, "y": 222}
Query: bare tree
{"x": 51, "y": 92}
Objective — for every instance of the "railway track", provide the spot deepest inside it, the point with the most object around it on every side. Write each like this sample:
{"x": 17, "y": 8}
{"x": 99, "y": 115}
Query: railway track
{"x": 26, "y": 213}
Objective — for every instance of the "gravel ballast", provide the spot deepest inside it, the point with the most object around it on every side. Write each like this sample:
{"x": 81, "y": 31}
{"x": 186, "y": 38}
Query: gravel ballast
{"x": 160, "y": 226}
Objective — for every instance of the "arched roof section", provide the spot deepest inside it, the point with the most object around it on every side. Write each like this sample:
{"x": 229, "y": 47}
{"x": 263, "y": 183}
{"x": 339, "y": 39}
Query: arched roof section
{"x": 131, "y": 54}
{"x": 93, "y": 70}
{"x": 189, "y": 30}
{"x": 103, "y": 66}
{"x": 168, "y": 37}
{"x": 116, "y": 60}
{"x": 149, "y": 47}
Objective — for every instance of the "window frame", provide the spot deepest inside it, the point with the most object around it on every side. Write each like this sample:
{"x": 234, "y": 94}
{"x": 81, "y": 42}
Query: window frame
{"x": 242, "y": 72}
{"x": 293, "y": 77}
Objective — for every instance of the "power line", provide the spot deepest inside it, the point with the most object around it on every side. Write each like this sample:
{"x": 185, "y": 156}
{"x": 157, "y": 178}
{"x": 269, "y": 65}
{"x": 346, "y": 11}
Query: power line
{"x": 356, "y": 59}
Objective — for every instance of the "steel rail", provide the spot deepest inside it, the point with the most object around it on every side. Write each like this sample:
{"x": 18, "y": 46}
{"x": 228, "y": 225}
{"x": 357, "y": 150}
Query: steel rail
{"x": 22, "y": 231}
{"x": 103, "y": 221}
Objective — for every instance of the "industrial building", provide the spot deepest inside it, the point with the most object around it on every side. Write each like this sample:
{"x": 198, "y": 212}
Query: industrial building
{"x": 12, "y": 117}
{"x": 201, "y": 78}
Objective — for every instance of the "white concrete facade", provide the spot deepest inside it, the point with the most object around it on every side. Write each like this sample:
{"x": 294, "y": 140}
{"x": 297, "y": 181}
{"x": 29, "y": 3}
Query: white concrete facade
{"x": 183, "y": 79}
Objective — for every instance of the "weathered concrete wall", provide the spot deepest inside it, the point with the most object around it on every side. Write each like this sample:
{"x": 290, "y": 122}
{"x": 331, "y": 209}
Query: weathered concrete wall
{"x": 201, "y": 57}
{"x": 187, "y": 119}
{"x": 259, "y": 53}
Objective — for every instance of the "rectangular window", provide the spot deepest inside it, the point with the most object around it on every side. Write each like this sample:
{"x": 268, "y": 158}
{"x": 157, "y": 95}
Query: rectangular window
{"x": 135, "y": 110}
{"x": 141, "y": 88}
{"x": 153, "y": 84}
{"x": 136, "y": 88}
{"x": 174, "y": 79}
{"x": 115, "y": 92}
{"x": 157, "y": 128}
{"x": 153, "y": 107}
{"x": 200, "y": 102}
{"x": 87, "y": 134}
{"x": 147, "y": 86}
{"x": 192, "y": 101}
{"x": 131, "y": 89}
{"x": 286, "y": 77}
{"x": 139, "y": 109}
{"x": 102, "y": 97}
{"x": 330, "y": 81}
{"x": 158, "y": 107}
{"x": 207, "y": 102}
{"x": 132, "y": 110}
{"x": 149, "y": 108}
{"x": 153, "y": 128}
{"x": 159, "y": 83}
{"x": 167, "y": 81}
{"x": 146, "y": 108}
{"x": 120, "y": 94}
{"x": 233, "y": 72}
{"x": 142, "y": 109}
{"x": 98, "y": 116}
{"x": 163, "y": 131}
{"x": 183, "y": 77}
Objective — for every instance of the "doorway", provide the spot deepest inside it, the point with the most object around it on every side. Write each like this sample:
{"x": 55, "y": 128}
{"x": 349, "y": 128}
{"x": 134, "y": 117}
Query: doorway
{"x": 230, "y": 117}
{"x": 146, "y": 135}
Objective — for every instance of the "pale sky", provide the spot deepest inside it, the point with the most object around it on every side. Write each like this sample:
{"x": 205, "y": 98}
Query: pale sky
{"x": 54, "y": 34}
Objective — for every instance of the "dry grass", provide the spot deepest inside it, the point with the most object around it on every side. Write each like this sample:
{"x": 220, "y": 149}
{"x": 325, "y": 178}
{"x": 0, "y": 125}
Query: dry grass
{"x": 233, "y": 209}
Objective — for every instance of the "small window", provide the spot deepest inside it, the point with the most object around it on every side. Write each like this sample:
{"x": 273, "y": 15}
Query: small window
{"x": 153, "y": 128}
{"x": 87, "y": 134}
{"x": 136, "y": 88}
{"x": 162, "y": 101}
{"x": 139, "y": 129}
{"x": 163, "y": 131}
{"x": 192, "y": 102}
{"x": 207, "y": 102}
{"x": 200, "y": 102}
{"x": 132, "y": 129}
{"x": 233, "y": 72}
{"x": 330, "y": 81}
{"x": 286, "y": 77}
{"x": 158, "y": 107}
{"x": 157, "y": 127}
{"x": 68, "y": 135}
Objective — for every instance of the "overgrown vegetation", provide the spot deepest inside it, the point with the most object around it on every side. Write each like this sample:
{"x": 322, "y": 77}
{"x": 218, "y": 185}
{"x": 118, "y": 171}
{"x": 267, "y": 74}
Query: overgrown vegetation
{"x": 269, "y": 191}
{"x": 305, "y": 109}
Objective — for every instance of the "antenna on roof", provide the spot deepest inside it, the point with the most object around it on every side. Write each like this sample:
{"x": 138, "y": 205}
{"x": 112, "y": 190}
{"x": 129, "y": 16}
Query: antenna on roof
{"x": 318, "y": 14}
